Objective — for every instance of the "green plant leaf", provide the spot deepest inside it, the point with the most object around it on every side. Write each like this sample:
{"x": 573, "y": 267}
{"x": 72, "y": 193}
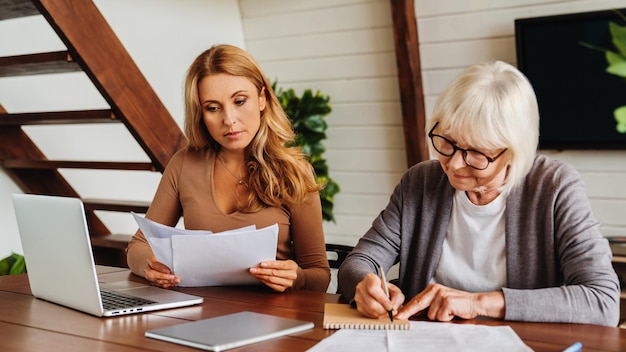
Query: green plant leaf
{"x": 619, "y": 37}
{"x": 330, "y": 189}
{"x": 617, "y": 65}
{"x": 315, "y": 123}
{"x": 327, "y": 210}
{"x": 321, "y": 168}
{"x": 327, "y": 195}
{"x": 316, "y": 148}
{"x": 5, "y": 266}
{"x": 620, "y": 117}
{"x": 13, "y": 264}
{"x": 19, "y": 265}
{"x": 614, "y": 58}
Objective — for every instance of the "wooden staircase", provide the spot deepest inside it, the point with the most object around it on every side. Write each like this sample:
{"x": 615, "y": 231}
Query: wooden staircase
{"x": 94, "y": 48}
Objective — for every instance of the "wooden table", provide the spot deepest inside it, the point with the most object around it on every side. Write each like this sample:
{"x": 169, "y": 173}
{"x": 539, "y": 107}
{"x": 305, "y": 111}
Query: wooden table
{"x": 30, "y": 324}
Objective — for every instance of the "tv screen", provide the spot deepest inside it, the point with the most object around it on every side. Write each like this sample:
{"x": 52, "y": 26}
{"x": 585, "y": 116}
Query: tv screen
{"x": 576, "y": 96}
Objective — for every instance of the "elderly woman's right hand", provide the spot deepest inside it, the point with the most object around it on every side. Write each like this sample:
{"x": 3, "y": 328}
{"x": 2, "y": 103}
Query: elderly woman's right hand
{"x": 159, "y": 274}
{"x": 371, "y": 299}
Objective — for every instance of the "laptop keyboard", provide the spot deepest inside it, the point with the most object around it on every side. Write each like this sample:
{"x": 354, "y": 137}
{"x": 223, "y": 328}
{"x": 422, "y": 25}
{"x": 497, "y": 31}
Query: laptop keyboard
{"x": 114, "y": 300}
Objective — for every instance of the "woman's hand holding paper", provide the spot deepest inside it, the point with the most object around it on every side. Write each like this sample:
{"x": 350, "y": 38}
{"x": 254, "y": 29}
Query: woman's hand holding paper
{"x": 160, "y": 275}
{"x": 279, "y": 275}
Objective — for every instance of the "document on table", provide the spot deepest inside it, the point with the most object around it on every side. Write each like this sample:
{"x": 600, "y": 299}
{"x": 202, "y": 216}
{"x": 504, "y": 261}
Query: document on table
{"x": 426, "y": 336}
{"x": 203, "y": 258}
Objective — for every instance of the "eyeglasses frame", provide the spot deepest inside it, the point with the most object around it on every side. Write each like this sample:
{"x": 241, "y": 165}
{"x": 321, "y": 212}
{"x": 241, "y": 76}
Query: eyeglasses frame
{"x": 456, "y": 148}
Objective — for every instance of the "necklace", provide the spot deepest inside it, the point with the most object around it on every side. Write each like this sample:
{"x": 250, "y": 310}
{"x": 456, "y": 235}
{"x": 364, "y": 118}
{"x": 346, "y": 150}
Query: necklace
{"x": 239, "y": 179}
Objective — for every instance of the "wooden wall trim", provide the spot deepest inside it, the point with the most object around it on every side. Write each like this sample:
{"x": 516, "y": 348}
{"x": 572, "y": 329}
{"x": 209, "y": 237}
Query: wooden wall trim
{"x": 410, "y": 80}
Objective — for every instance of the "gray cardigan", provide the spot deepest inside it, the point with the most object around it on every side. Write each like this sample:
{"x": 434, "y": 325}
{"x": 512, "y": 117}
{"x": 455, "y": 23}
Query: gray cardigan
{"x": 558, "y": 264}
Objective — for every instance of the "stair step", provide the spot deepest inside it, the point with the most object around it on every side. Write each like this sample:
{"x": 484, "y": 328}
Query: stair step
{"x": 116, "y": 205}
{"x": 110, "y": 249}
{"x": 17, "y": 8}
{"x": 115, "y": 241}
{"x": 58, "y": 117}
{"x": 66, "y": 164}
{"x": 36, "y": 64}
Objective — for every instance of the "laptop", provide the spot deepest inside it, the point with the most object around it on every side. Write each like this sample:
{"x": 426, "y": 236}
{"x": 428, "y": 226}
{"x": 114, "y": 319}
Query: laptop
{"x": 61, "y": 268}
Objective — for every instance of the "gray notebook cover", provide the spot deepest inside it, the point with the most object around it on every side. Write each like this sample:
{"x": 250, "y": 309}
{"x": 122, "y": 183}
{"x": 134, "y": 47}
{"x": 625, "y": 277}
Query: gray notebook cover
{"x": 229, "y": 331}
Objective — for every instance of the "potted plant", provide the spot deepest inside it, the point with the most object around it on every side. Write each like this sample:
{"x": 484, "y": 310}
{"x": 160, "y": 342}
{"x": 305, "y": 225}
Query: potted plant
{"x": 307, "y": 113}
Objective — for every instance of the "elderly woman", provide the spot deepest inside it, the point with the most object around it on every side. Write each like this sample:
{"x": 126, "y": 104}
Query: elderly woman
{"x": 490, "y": 228}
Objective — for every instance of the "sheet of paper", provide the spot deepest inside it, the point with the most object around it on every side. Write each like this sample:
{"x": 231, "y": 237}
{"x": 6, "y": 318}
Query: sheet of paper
{"x": 223, "y": 259}
{"x": 426, "y": 336}
{"x": 159, "y": 237}
{"x": 203, "y": 258}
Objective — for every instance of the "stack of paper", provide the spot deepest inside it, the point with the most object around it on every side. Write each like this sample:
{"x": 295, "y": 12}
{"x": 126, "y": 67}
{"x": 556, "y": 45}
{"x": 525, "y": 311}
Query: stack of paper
{"x": 203, "y": 258}
{"x": 426, "y": 336}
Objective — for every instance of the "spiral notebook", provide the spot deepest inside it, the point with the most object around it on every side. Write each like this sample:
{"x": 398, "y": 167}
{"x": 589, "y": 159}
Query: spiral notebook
{"x": 343, "y": 316}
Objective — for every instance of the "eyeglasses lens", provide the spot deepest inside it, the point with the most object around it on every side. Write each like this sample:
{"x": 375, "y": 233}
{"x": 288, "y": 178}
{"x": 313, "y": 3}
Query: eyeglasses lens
{"x": 474, "y": 159}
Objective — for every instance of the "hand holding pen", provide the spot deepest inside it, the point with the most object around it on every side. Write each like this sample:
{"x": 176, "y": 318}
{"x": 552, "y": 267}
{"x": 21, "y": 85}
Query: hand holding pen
{"x": 381, "y": 272}
{"x": 374, "y": 292}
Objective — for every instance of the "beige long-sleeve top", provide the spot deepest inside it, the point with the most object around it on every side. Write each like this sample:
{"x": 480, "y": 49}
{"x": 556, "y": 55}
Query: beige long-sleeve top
{"x": 186, "y": 189}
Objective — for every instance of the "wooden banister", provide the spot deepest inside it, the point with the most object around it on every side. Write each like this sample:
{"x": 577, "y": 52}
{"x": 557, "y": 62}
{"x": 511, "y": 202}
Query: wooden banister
{"x": 94, "y": 45}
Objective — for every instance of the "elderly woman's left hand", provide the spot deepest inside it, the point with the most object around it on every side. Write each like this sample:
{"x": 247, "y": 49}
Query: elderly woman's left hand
{"x": 445, "y": 303}
{"x": 279, "y": 275}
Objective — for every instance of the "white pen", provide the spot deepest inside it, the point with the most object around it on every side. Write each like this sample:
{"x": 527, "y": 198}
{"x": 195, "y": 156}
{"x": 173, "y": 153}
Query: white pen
{"x": 385, "y": 288}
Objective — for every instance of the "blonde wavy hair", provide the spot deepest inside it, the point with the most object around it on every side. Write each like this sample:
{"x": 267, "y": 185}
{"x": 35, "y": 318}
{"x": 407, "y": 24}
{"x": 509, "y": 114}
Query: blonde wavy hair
{"x": 278, "y": 173}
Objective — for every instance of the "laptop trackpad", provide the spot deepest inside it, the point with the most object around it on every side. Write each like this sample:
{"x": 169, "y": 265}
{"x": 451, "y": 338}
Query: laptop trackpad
{"x": 122, "y": 285}
{"x": 141, "y": 290}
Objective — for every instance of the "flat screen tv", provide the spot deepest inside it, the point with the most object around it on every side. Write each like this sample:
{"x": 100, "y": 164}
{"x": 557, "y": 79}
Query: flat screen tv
{"x": 576, "y": 96}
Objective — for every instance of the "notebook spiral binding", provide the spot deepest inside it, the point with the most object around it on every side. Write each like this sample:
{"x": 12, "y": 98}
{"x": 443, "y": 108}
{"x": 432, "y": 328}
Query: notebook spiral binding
{"x": 390, "y": 326}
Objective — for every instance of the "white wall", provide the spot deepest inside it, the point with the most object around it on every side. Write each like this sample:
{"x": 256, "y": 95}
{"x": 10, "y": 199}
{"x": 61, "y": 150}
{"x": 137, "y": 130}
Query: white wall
{"x": 163, "y": 38}
{"x": 345, "y": 49}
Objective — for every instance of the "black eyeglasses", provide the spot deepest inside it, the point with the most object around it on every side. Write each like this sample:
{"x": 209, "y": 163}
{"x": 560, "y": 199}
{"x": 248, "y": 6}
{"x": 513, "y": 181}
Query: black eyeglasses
{"x": 472, "y": 158}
